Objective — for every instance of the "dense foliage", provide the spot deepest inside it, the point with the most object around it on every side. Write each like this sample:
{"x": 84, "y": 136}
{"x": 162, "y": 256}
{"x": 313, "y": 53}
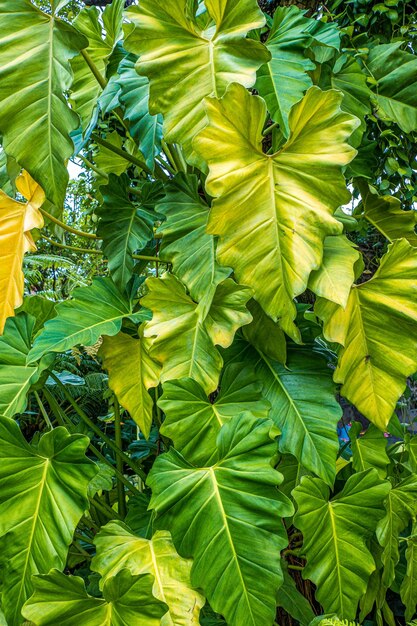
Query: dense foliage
{"x": 208, "y": 336}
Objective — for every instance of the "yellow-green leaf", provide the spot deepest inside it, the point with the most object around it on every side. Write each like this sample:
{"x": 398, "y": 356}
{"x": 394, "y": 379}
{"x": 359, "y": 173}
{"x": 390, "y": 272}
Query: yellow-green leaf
{"x": 17, "y": 219}
{"x": 272, "y": 212}
{"x": 185, "y": 333}
{"x": 188, "y": 58}
{"x": 132, "y": 372}
{"x": 378, "y": 331}
{"x": 119, "y": 548}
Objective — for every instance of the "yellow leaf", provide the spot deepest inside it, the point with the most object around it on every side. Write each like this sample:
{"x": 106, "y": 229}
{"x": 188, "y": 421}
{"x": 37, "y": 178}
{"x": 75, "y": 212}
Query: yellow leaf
{"x": 17, "y": 219}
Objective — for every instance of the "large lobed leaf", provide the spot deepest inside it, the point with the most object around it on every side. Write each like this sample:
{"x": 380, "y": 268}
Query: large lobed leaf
{"x": 377, "y": 331}
{"x": 335, "y": 534}
{"x": 35, "y": 119}
{"x": 42, "y": 497}
{"x": 60, "y": 599}
{"x": 227, "y": 517}
{"x": 272, "y": 212}
{"x": 187, "y": 58}
{"x": 118, "y": 548}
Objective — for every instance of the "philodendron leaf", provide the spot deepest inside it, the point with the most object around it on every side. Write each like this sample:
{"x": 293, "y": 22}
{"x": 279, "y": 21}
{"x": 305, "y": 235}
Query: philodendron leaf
{"x": 289, "y": 66}
{"x": 93, "y": 311}
{"x": 85, "y": 88}
{"x": 190, "y": 61}
{"x": 227, "y": 517}
{"x": 304, "y": 407}
{"x": 127, "y": 600}
{"x": 401, "y": 508}
{"x": 385, "y": 214}
{"x": 408, "y": 590}
{"x": 293, "y": 602}
{"x": 43, "y": 493}
{"x": 272, "y": 212}
{"x": 264, "y": 334}
{"x": 369, "y": 450}
{"x": 16, "y": 378}
{"x": 184, "y": 334}
{"x": 146, "y": 129}
{"x": 395, "y": 94}
{"x": 185, "y": 242}
{"x": 35, "y": 119}
{"x": 132, "y": 372}
{"x": 17, "y": 219}
{"x": 118, "y": 547}
{"x": 336, "y": 274}
{"x": 124, "y": 226}
{"x": 335, "y": 534}
{"x": 377, "y": 329}
{"x": 193, "y": 422}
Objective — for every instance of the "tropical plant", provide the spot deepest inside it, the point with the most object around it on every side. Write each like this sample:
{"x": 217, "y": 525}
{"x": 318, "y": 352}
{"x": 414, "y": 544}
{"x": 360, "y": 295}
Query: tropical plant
{"x": 208, "y": 346}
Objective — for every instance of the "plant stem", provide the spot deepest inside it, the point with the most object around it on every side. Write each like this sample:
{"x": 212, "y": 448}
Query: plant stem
{"x": 92, "y": 166}
{"x": 97, "y": 430}
{"x": 269, "y": 129}
{"x": 119, "y": 461}
{"x": 69, "y": 229}
{"x": 122, "y": 153}
{"x": 119, "y": 475}
{"x": 104, "y": 509}
{"x": 298, "y": 568}
{"x": 43, "y": 411}
{"x": 140, "y": 257}
{"x": 94, "y": 69}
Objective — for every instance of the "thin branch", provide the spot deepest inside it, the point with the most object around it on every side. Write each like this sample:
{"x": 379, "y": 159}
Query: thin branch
{"x": 69, "y": 229}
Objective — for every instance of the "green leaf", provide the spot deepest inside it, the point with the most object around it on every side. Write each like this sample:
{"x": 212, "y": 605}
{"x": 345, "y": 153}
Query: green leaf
{"x": 146, "y": 129}
{"x": 386, "y": 215}
{"x": 184, "y": 334}
{"x": 293, "y": 602}
{"x": 190, "y": 61}
{"x": 227, "y": 517}
{"x": 132, "y": 372}
{"x": 272, "y": 212}
{"x": 40, "y": 308}
{"x": 93, "y": 311}
{"x": 85, "y": 88}
{"x": 16, "y": 378}
{"x": 109, "y": 162}
{"x": 401, "y": 508}
{"x": 60, "y": 599}
{"x": 336, "y": 274}
{"x": 304, "y": 407}
{"x": 43, "y": 493}
{"x": 369, "y": 450}
{"x": 127, "y": 229}
{"x": 264, "y": 334}
{"x": 396, "y": 73}
{"x": 35, "y": 50}
{"x": 335, "y": 534}
{"x": 408, "y": 590}
{"x": 118, "y": 548}
{"x": 185, "y": 242}
{"x": 379, "y": 317}
{"x": 193, "y": 422}
{"x": 283, "y": 81}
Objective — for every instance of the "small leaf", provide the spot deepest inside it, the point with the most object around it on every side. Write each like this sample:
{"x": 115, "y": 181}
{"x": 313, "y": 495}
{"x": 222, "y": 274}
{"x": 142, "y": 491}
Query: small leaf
{"x": 369, "y": 450}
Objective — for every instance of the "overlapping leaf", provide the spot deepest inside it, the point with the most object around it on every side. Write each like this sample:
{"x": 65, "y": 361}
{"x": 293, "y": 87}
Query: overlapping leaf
{"x": 272, "y": 212}
{"x": 184, "y": 334}
{"x": 42, "y": 497}
{"x": 16, "y": 377}
{"x": 227, "y": 517}
{"x": 335, "y": 533}
{"x": 17, "y": 219}
{"x": 125, "y": 226}
{"x": 132, "y": 372}
{"x": 63, "y": 599}
{"x": 93, "y": 311}
{"x": 187, "y": 58}
{"x": 35, "y": 119}
{"x": 380, "y": 315}
{"x": 408, "y": 590}
{"x": 118, "y": 548}
{"x": 185, "y": 242}
{"x": 369, "y": 450}
{"x": 395, "y": 94}
{"x": 193, "y": 422}
{"x": 284, "y": 79}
